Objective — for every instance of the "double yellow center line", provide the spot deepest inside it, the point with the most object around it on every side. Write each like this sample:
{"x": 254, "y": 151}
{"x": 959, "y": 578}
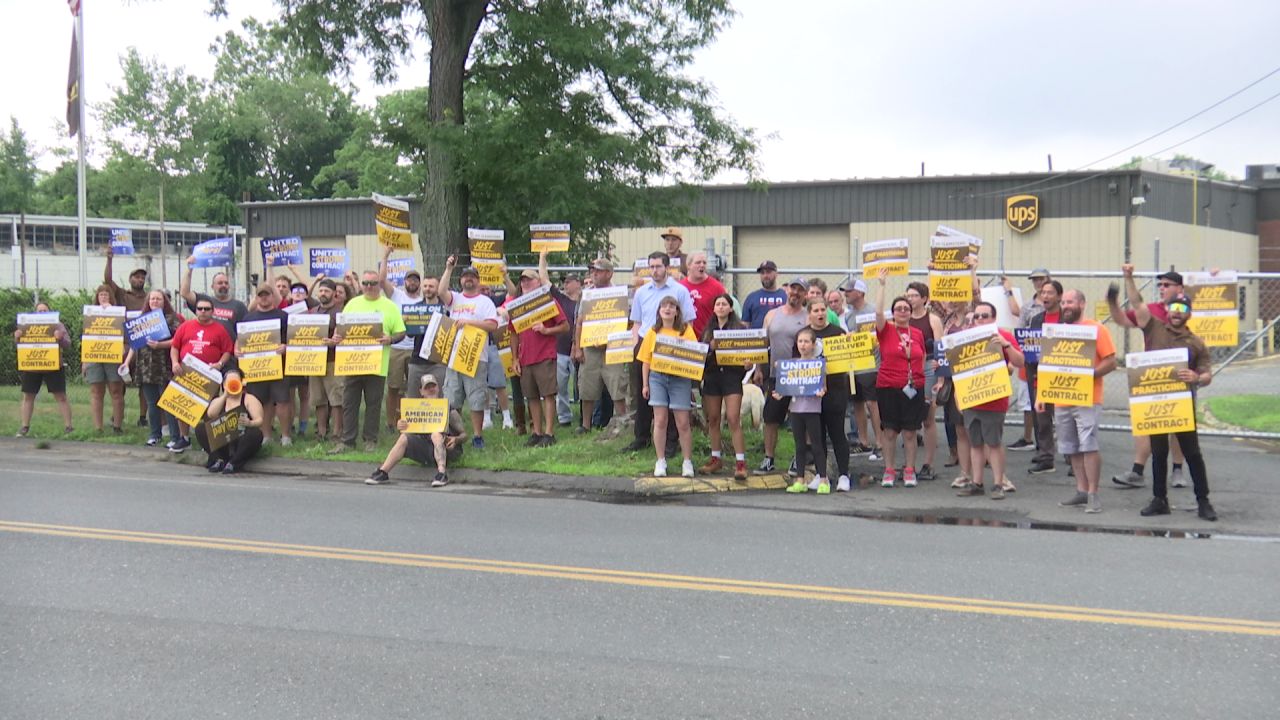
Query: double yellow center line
{"x": 667, "y": 581}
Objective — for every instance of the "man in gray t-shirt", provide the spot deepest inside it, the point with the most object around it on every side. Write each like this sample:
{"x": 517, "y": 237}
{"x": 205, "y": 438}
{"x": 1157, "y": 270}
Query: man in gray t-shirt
{"x": 227, "y": 311}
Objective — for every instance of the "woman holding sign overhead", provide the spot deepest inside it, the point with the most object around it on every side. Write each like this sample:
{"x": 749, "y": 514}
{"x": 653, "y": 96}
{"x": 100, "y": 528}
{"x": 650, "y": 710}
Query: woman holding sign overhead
{"x": 722, "y": 391}
{"x": 154, "y": 372}
{"x": 235, "y": 439}
{"x": 668, "y": 394}
{"x": 899, "y": 383}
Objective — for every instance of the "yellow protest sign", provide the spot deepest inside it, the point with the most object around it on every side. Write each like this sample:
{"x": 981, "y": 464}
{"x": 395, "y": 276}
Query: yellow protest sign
{"x": 532, "y": 308}
{"x": 391, "y": 221}
{"x": 468, "y": 346}
{"x": 1065, "y": 375}
{"x": 678, "y": 357}
{"x": 741, "y": 347}
{"x": 852, "y": 352}
{"x": 487, "y": 248}
{"x": 975, "y": 242}
{"x": 259, "y": 343}
{"x": 552, "y": 237}
{"x": 978, "y": 370}
{"x": 187, "y": 395}
{"x": 359, "y": 352}
{"x": 891, "y": 254}
{"x": 1215, "y": 309}
{"x": 425, "y": 415}
{"x": 604, "y": 312}
{"x": 306, "y": 354}
{"x": 103, "y": 338}
{"x": 38, "y": 349}
{"x": 1159, "y": 402}
{"x": 503, "y": 338}
{"x": 620, "y": 348}
{"x": 949, "y": 279}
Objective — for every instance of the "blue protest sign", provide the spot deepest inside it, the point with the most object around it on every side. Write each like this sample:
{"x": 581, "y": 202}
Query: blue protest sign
{"x": 800, "y": 378}
{"x": 213, "y": 253}
{"x": 397, "y": 269}
{"x": 330, "y": 262}
{"x": 147, "y": 326}
{"x": 1029, "y": 341}
{"x": 281, "y": 251}
{"x": 121, "y": 241}
{"x": 940, "y": 354}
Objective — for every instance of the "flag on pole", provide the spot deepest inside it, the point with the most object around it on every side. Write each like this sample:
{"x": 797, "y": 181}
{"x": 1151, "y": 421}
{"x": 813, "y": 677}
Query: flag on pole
{"x": 73, "y": 83}
{"x": 74, "y": 6}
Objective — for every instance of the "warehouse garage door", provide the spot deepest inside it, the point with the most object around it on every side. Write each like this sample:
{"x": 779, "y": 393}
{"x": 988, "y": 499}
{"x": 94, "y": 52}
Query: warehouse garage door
{"x": 819, "y": 246}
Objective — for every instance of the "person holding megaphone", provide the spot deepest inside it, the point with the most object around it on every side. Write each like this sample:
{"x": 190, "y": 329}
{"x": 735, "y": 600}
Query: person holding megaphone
{"x": 245, "y": 438}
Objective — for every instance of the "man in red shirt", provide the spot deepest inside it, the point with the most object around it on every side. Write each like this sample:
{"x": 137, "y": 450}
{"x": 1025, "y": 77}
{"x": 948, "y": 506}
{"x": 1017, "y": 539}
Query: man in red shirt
{"x": 703, "y": 289}
{"x": 535, "y": 351}
{"x": 202, "y": 337}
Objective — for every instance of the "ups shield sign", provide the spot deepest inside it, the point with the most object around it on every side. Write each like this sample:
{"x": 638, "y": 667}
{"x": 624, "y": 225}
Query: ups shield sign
{"x": 1022, "y": 212}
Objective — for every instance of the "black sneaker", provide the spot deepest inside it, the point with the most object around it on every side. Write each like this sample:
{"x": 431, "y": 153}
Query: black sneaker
{"x": 1206, "y": 511}
{"x": 228, "y": 469}
{"x": 180, "y": 445}
{"x": 1157, "y": 506}
{"x": 859, "y": 449}
{"x": 1040, "y": 468}
{"x": 580, "y": 430}
{"x": 441, "y": 479}
{"x": 636, "y": 446}
{"x": 766, "y": 466}
{"x": 926, "y": 474}
{"x": 215, "y": 465}
{"x": 547, "y": 441}
{"x": 534, "y": 439}
{"x": 379, "y": 477}
{"x": 142, "y": 421}
{"x": 1020, "y": 445}
{"x": 792, "y": 471}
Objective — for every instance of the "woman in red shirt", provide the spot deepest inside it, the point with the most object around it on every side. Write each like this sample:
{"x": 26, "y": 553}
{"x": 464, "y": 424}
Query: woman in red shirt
{"x": 899, "y": 383}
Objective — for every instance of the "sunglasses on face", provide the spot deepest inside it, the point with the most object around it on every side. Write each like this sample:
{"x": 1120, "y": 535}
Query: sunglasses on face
{"x": 369, "y": 283}
{"x": 1179, "y": 308}
{"x": 902, "y": 308}
{"x": 204, "y": 309}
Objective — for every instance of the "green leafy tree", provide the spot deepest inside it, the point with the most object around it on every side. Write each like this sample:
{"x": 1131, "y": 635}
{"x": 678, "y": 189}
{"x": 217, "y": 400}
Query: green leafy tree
{"x": 18, "y": 172}
{"x": 604, "y": 81}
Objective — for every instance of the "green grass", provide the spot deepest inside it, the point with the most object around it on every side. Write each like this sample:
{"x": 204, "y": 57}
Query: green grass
{"x": 504, "y": 450}
{"x": 1254, "y": 412}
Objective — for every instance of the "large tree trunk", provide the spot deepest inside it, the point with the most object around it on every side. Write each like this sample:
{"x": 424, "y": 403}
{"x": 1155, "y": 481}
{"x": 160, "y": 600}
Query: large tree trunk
{"x": 452, "y": 25}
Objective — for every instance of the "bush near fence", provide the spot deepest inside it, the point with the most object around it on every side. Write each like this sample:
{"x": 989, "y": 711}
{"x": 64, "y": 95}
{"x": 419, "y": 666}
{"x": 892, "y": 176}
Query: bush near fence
{"x": 14, "y": 300}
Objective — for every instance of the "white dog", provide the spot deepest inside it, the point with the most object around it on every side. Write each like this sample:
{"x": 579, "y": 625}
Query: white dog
{"x": 752, "y": 405}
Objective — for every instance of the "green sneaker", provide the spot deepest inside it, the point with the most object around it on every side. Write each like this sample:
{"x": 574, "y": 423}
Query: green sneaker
{"x": 824, "y": 487}
{"x": 798, "y": 487}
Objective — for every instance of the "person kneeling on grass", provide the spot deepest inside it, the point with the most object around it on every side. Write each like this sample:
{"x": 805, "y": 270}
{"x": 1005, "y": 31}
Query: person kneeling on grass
{"x": 440, "y": 448}
{"x": 232, "y": 457}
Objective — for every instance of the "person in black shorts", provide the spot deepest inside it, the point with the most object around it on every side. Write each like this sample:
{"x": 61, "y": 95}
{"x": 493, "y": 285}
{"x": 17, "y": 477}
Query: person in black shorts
{"x": 439, "y": 449}
{"x": 722, "y": 390}
{"x": 54, "y": 380}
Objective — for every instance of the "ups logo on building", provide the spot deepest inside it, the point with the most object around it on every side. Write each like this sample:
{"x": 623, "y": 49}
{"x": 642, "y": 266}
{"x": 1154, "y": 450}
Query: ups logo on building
{"x": 1022, "y": 212}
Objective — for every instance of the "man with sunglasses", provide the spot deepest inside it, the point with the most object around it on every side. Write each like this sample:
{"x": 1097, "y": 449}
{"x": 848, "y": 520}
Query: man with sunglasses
{"x": 205, "y": 339}
{"x": 1168, "y": 285}
{"x": 227, "y": 311}
{"x": 1164, "y": 335}
{"x": 369, "y": 387}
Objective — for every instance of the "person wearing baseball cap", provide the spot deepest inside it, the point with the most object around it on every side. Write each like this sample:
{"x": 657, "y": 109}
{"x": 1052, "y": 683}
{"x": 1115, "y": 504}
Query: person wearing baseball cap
{"x": 1168, "y": 334}
{"x": 860, "y": 314}
{"x": 438, "y": 448}
{"x": 673, "y": 241}
{"x": 398, "y": 368}
{"x": 134, "y": 300}
{"x": 769, "y": 296}
{"x": 781, "y": 325}
{"x": 535, "y": 352}
{"x": 470, "y": 307}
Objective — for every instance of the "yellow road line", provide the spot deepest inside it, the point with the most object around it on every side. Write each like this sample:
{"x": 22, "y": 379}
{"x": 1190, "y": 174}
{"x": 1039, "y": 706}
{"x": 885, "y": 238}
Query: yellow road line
{"x": 671, "y": 581}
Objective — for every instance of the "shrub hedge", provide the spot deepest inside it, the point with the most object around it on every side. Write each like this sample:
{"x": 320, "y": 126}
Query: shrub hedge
{"x": 15, "y": 300}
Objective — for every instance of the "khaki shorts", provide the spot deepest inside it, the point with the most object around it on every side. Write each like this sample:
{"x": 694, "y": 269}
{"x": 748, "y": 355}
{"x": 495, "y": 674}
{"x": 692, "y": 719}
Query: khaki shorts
{"x": 594, "y": 375}
{"x": 398, "y": 370}
{"x": 95, "y": 373}
{"x": 539, "y": 380}
{"x": 327, "y": 390}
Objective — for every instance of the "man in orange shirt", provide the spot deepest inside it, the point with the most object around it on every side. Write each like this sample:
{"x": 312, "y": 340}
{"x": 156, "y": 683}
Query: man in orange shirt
{"x": 1077, "y": 427}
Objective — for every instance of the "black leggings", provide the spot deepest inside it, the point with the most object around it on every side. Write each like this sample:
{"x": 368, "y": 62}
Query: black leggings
{"x": 835, "y": 404}
{"x": 237, "y": 452}
{"x": 806, "y": 428}
{"x": 1190, "y": 443}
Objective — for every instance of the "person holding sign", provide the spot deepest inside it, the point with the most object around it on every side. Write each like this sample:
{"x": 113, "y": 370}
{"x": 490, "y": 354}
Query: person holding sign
{"x": 668, "y": 394}
{"x": 595, "y": 377}
{"x": 273, "y": 394}
{"x": 55, "y": 380}
{"x": 227, "y": 311}
{"x": 924, "y": 319}
{"x": 899, "y": 383}
{"x": 1077, "y": 425}
{"x": 984, "y": 423}
{"x": 470, "y": 307}
{"x": 204, "y": 339}
{"x": 154, "y": 371}
{"x": 644, "y": 313}
{"x": 835, "y": 399}
{"x": 246, "y": 438}
{"x": 135, "y": 298}
{"x": 806, "y": 422}
{"x": 368, "y": 387}
{"x": 436, "y": 448}
{"x": 104, "y": 377}
{"x": 535, "y": 351}
{"x": 398, "y": 369}
{"x": 1165, "y": 335}
{"x": 722, "y": 391}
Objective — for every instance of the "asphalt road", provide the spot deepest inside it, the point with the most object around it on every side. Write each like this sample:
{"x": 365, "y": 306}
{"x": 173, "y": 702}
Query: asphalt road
{"x": 139, "y": 591}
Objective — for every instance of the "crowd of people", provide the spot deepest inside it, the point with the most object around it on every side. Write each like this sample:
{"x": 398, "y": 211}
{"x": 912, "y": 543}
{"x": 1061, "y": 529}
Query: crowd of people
{"x": 878, "y": 415}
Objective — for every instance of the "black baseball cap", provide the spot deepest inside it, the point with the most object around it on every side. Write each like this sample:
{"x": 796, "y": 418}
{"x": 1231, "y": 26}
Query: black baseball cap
{"x": 1172, "y": 276}
{"x": 767, "y": 266}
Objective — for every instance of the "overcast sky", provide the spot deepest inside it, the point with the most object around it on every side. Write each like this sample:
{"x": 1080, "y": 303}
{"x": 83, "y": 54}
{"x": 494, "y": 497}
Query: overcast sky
{"x": 838, "y": 89}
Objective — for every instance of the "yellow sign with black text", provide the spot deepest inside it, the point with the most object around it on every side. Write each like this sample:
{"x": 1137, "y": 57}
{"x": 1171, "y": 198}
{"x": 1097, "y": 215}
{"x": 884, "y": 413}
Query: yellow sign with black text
{"x": 188, "y": 394}
{"x": 425, "y": 415}
{"x": 38, "y": 349}
{"x": 604, "y": 312}
{"x": 852, "y": 352}
{"x": 1065, "y": 375}
{"x": 678, "y": 357}
{"x": 487, "y": 248}
{"x": 103, "y": 338}
{"x": 978, "y": 370}
{"x": 620, "y": 349}
{"x": 1159, "y": 402}
{"x": 1215, "y": 308}
{"x": 740, "y": 348}
{"x": 885, "y": 254}
{"x": 949, "y": 278}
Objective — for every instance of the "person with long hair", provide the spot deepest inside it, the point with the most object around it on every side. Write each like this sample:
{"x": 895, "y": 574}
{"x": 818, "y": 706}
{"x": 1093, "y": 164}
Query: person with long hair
{"x": 154, "y": 371}
{"x": 985, "y": 423}
{"x": 899, "y": 383}
{"x": 806, "y": 423}
{"x": 231, "y": 458}
{"x": 924, "y": 319}
{"x": 835, "y": 401}
{"x": 104, "y": 378}
{"x": 722, "y": 391}
{"x": 668, "y": 394}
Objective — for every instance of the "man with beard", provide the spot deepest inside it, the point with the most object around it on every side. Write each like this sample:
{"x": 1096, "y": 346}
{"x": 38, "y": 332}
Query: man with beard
{"x": 1022, "y": 394}
{"x": 769, "y": 296}
{"x": 398, "y": 370}
{"x": 369, "y": 387}
{"x": 1164, "y": 335}
{"x": 134, "y": 300}
{"x": 595, "y": 378}
{"x": 227, "y": 311}
{"x": 326, "y": 391}
{"x": 470, "y": 307}
{"x": 1046, "y": 444}
{"x": 781, "y": 326}
{"x": 1078, "y": 426}
{"x": 860, "y": 313}
{"x": 273, "y": 395}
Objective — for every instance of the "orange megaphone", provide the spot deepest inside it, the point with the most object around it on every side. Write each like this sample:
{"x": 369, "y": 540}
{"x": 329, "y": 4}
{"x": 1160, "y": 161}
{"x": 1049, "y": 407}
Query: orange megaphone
{"x": 234, "y": 386}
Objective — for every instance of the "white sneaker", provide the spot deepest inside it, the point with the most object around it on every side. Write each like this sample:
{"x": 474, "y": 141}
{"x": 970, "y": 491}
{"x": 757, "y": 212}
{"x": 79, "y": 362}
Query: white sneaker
{"x": 660, "y": 468}
{"x": 488, "y": 422}
{"x": 842, "y": 485}
{"x": 815, "y": 482}
{"x": 286, "y": 441}
{"x": 686, "y": 469}
{"x": 1178, "y": 479}
{"x": 508, "y": 424}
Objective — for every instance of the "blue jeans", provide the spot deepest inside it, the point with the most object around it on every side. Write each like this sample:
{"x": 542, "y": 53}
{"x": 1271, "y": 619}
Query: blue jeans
{"x": 151, "y": 393}
{"x": 564, "y": 406}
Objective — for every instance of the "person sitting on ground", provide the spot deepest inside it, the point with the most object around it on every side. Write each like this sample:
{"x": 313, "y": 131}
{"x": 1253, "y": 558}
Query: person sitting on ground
{"x": 232, "y": 457}
{"x": 439, "y": 448}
